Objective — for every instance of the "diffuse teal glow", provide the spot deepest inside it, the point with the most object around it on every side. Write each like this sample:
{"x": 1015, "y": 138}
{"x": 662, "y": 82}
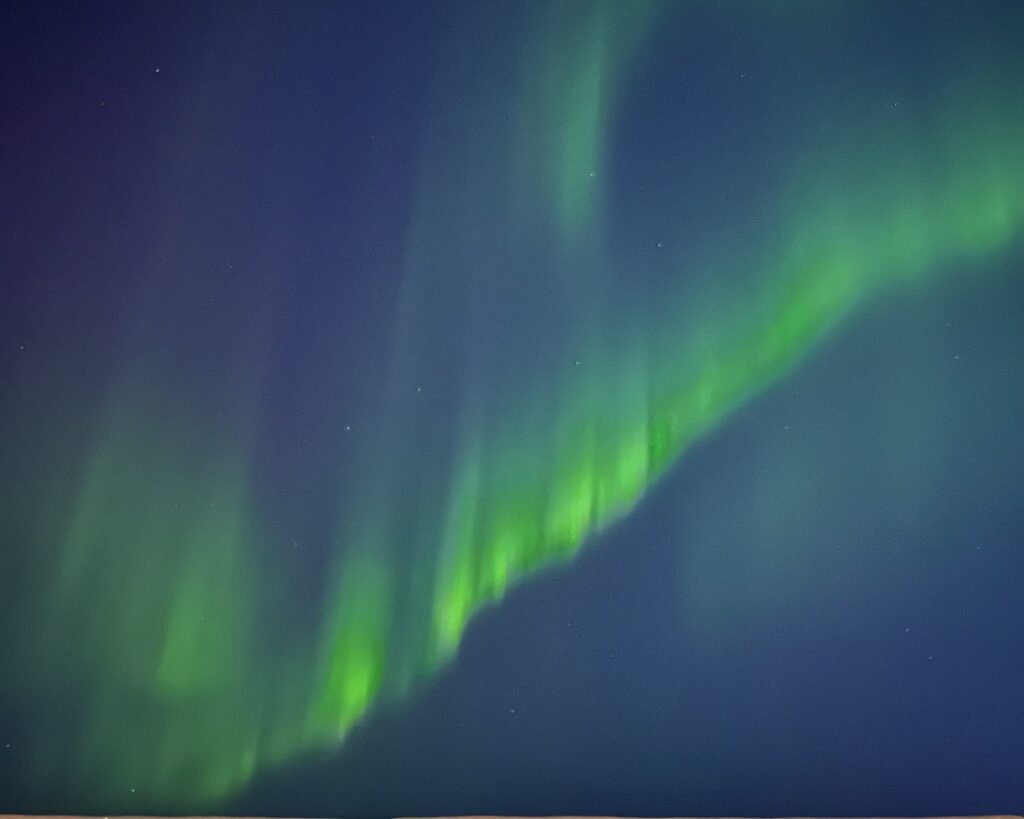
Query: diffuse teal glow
{"x": 563, "y": 444}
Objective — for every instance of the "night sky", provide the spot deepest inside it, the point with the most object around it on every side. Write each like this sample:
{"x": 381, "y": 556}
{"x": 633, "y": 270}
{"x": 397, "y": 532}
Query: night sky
{"x": 534, "y": 408}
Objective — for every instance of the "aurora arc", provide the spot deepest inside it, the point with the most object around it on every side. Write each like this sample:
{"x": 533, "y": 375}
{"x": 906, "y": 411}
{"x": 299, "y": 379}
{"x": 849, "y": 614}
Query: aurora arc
{"x": 551, "y": 419}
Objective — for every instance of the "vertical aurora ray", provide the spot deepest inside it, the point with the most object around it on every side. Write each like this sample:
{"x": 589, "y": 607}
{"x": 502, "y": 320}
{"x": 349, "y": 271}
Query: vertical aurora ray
{"x": 533, "y": 398}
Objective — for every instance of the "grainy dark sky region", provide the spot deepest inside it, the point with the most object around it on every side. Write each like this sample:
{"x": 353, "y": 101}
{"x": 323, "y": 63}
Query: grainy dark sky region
{"x": 567, "y": 407}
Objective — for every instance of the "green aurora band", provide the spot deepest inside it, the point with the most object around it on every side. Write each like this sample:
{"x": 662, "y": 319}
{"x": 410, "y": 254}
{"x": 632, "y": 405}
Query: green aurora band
{"x": 549, "y": 419}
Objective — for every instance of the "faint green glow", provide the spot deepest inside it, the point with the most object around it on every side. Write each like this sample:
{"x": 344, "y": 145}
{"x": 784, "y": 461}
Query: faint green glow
{"x": 577, "y": 58}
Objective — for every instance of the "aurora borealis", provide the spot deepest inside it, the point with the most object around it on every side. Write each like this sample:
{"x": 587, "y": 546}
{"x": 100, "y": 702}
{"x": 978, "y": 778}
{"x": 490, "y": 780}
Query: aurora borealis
{"x": 310, "y": 358}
